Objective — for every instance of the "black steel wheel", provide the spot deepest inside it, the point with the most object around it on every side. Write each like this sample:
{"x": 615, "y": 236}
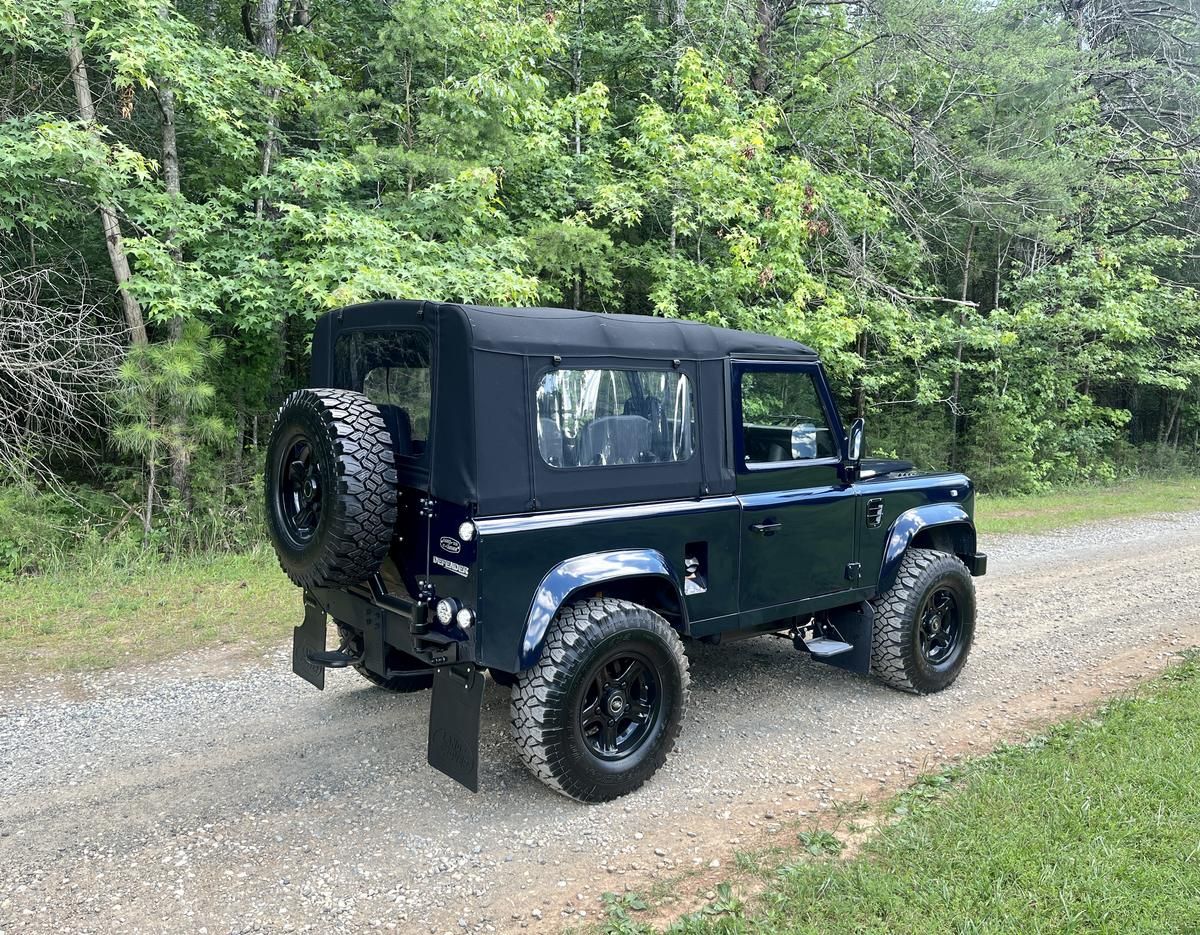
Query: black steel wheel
{"x": 599, "y": 712}
{"x": 940, "y": 627}
{"x": 924, "y": 623}
{"x": 330, "y": 487}
{"x": 299, "y": 488}
{"x": 620, "y": 704}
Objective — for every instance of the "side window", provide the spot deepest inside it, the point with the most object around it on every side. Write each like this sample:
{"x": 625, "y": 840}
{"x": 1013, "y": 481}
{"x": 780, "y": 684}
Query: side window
{"x": 391, "y": 368}
{"x": 588, "y": 418}
{"x": 783, "y": 418}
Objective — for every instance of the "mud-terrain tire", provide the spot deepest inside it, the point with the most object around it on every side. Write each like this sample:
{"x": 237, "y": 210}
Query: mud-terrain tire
{"x": 924, "y": 623}
{"x": 330, "y": 487}
{"x": 417, "y": 676}
{"x": 599, "y": 712}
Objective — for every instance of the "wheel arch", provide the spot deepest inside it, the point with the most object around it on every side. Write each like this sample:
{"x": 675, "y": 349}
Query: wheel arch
{"x": 944, "y": 527}
{"x": 643, "y": 576}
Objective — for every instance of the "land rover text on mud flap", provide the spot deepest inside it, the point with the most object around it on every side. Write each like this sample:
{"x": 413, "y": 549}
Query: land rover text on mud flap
{"x": 561, "y": 498}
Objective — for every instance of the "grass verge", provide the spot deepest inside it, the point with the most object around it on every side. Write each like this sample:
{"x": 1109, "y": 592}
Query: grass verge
{"x": 96, "y": 616}
{"x": 1042, "y": 512}
{"x": 1093, "y": 827}
{"x": 100, "y": 617}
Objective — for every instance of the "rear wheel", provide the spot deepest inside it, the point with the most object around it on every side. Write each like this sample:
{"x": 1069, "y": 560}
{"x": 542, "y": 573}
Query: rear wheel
{"x": 925, "y": 623}
{"x": 412, "y": 675}
{"x": 598, "y": 714}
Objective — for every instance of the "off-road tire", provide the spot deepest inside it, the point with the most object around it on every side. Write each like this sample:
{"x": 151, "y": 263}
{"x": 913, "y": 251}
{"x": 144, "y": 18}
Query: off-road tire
{"x": 547, "y": 699}
{"x": 896, "y": 656}
{"x": 353, "y": 452}
{"x": 418, "y": 676}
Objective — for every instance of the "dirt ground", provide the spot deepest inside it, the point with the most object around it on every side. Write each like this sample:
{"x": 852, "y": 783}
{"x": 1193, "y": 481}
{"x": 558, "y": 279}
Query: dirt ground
{"x": 217, "y": 795}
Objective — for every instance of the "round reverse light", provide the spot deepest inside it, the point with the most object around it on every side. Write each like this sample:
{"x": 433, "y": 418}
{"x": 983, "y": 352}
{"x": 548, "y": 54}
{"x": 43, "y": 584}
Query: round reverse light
{"x": 464, "y": 618}
{"x": 466, "y": 531}
{"x": 445, "y": 611}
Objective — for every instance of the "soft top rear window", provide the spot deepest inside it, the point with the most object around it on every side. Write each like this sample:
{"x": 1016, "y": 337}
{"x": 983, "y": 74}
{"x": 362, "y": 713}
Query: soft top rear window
{"x": 393, "y": 368}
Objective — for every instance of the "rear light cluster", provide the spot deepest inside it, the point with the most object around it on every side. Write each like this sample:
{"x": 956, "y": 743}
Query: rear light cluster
{"x": 450, "y": 611}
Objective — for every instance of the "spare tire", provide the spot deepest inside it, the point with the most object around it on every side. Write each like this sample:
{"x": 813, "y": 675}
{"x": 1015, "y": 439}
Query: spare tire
{"x": 330, "y": 487}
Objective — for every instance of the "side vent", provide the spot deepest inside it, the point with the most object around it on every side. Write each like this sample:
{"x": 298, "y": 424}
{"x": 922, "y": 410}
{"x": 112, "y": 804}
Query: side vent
{"x": 874, "y": 512}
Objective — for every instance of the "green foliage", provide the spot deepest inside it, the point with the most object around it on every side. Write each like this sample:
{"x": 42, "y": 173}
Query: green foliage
{"x": 163, "y": 400}
{"x": 982, "y": 214}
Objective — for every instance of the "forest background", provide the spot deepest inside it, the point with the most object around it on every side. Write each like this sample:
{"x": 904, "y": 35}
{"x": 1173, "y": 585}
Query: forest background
{"x": 983, "y": 213}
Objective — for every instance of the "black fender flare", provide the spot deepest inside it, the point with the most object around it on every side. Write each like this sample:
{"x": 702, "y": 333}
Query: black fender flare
{"x": 911, "y": 522}
{"x": 582, "y": 571}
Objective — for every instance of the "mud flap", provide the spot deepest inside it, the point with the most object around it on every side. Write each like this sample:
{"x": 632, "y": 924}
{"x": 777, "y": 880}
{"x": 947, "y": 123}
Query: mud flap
{"x": 308, "y": 638}
{"x": 856, "y": 626}
{"x": 454, "y": 714}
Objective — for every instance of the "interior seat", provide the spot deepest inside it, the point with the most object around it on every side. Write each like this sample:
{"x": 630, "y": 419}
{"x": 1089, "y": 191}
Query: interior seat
{"x": 615, "y": 440}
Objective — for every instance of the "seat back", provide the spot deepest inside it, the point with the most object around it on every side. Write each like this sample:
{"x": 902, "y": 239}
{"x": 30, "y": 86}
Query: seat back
{"x": 615, "y": 440}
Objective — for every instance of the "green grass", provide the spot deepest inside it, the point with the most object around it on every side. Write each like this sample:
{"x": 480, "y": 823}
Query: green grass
{"x": 98, "y": 617}
{"x": 1094, "y": 827}
{"x": 1054, "y": 510}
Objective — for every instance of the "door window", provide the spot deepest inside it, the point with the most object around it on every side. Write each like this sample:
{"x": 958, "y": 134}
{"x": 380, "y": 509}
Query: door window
{"x": 783, "y": 418}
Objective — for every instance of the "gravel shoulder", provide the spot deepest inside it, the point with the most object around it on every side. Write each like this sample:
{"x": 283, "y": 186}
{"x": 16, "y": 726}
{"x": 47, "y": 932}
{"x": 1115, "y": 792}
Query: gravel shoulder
{"x": 214, "y": 796}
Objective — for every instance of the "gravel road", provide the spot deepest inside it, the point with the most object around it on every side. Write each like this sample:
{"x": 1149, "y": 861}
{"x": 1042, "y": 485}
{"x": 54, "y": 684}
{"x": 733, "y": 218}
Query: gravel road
{"x": 216, "y": 795}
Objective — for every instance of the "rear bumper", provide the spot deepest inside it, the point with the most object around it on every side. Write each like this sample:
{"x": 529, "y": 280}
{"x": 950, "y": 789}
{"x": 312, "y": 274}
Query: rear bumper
{"x": 386, "y": 620}
{"x": 976, "y": 563}
{"x": 457, "y": 699}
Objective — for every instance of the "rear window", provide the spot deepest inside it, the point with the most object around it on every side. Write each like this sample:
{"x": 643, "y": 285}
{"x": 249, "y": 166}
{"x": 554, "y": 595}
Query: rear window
{"x": 588, "y": 418}
{"x": 393, "y": 369}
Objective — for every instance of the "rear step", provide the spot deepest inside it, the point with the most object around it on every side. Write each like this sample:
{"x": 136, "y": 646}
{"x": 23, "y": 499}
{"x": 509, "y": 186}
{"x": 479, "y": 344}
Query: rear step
{"x": 335, "y": 659}
{"x": 823, "y": 647}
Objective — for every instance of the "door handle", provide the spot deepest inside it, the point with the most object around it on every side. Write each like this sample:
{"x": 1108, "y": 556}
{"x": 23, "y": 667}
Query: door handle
{"x": 768, "y": 528}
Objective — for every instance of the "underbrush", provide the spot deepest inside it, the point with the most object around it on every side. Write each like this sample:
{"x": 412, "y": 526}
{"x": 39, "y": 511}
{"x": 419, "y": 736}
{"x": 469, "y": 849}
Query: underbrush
{"x": 80, "y": 527}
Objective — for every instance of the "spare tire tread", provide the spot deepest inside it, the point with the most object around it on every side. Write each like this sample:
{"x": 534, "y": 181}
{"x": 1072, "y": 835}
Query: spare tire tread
{"x": 355, "y": 541}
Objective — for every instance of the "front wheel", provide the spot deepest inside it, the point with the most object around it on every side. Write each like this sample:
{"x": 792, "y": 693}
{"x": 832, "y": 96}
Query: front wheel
{"x": 599, "y": 712}
{"x": 924, "y": 623}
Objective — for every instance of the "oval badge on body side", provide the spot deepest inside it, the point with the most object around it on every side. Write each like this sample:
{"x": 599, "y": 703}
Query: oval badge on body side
{"x": 451, "y": 545}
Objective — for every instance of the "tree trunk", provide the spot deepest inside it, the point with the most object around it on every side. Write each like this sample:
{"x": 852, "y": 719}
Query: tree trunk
{"x": 1164, "y": 438}
{"x": 958, "y": 346}
{"x": 767, "y": 21}
{"x": 268, "y": 45}
{"x": 151, "y": 480}
{"x": 108, "y": 217}
{"x": 177, "y": 449}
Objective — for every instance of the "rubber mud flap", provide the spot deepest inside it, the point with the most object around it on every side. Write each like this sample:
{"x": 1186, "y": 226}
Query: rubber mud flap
{"x": 454, "y": 714}
{"x": 307, "y": 638}
{"x": 855, "y": 624}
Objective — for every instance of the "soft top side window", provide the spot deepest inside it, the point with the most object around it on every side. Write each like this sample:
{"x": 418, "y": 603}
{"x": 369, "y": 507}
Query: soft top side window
{"x": 393, "y": 369}
{"x": 783, "y": 418}
{"x": 590, "y": 418}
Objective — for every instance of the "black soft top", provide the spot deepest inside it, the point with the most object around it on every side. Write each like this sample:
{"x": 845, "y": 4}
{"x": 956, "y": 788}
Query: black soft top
{"x": 533, "y": 331}
{"x": 482, "y": 449}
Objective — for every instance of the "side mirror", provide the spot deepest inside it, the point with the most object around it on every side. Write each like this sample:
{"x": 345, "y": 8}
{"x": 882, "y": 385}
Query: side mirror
{"x": 854, "y": 442}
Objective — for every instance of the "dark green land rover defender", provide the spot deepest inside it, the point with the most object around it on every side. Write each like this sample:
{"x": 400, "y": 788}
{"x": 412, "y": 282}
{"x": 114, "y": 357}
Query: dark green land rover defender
{"x": 562, "y": 499}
